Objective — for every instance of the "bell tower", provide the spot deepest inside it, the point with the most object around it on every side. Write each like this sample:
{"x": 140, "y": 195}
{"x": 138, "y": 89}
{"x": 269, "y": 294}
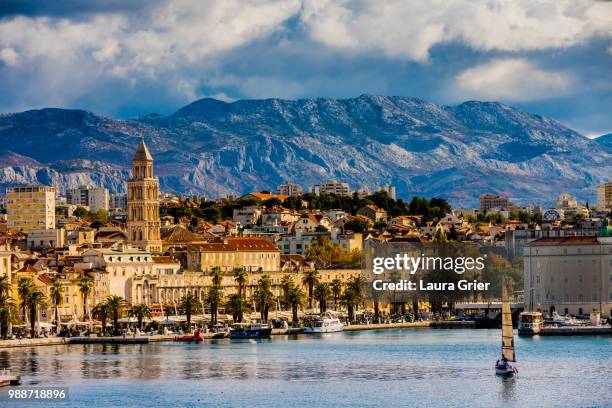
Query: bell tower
{"x": 143, "y": 202}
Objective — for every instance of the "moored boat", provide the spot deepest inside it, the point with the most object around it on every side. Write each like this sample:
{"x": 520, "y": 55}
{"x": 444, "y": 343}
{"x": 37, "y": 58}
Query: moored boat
{"x": 250, "y": 331}
{"x": 530, "y": 323}
{"x": 196, "y": 337}
{"x": 326, "y": 324}
{"x": 6, "y": 378}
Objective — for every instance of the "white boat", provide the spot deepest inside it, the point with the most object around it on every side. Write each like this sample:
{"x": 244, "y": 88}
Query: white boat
{"x": 6, "y": 378}
{"x": 325, "y": 324}
{"x": 503, "y": 366}
{"x": 563, "y": 320}
{"x": 530, "y": 323}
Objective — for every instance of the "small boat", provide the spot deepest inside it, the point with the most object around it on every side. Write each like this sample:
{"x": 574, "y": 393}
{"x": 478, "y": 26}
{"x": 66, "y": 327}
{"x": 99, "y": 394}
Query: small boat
{"x": 250, "y": 331}
{"x": 503, "y": 366}
{"x": 326, "y": 324}
{"x": 6, "y": 378}
{"x": 530, "y": 323}
{"x": 196, "y": 337}
{"x": 557, "y": 319}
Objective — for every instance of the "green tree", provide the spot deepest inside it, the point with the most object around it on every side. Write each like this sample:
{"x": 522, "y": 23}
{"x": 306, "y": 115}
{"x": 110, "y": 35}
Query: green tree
{"x": 310, "y": 279}
{"x": 241, "y": 276}
{"x": 81, "y": 212}
{"x": 57, "y": 297}
{"x": 86, "y": 285}
{"x": 5, "y": 285}
{"x": 322, "y": 293}
{"x": 190, "y": 305}
{"x": 101, "y": 311}
{"x": 35, "y": 300}
{"x": 116, "y": 306}
{"x": 7, "y": 311}
{"x": 264, "y": 296}
{"x": 237, "y": 306}
{"x": 140, "y": 311}
{"x": 295, "y": 298}
{"x": 286, "y": 284}
{"x": 336, "y": 290}
{"x": 353, "y": 295}
{"x": 214, "y": 297}
{"x": 24, "y": 288}
{"x": 355, "y": 225}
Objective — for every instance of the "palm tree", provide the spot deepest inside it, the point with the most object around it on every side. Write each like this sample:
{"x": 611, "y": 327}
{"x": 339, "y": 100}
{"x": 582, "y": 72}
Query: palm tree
{"x": 214, "y": 297}
{"x": 190, "y": 305}
{"x": 5, "y": 285}
{"x": 353, "y": 295}
{"x": 24, "y": 288}
{"x": 241, "y": 276}
{"x": 336, "y": 290}
{"x": 101, "y": 311}
{"x": 7, "y": 310}
{"x": 140, "y": 312}
{"x": 35, "y": 300}
{"x": 237, "y": 306}
{"x": 264, "y": 296}
{"x": 116, "y": 305}
{"x": 310, "y": 279}
{"x": 217, "y": 275}
{"x": 86, "y": 285}
{"x": 322, "y": 292}
{"x": 295, "y": 298}
{"x": 57, "y": 297}
{"x": 286, "y": 284}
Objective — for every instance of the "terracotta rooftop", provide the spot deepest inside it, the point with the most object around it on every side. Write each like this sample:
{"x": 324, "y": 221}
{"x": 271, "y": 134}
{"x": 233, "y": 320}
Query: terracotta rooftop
{"x": 238, "y": 244}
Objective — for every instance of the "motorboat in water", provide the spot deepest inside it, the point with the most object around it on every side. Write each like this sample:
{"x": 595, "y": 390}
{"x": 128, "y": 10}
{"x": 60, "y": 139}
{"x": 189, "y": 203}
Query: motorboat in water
{"x": 325, "y": 324}
{"x": 196, "y": 337}
{"x": 250, "y": 331}
{"x": 503, "y": 366}
{"x": 6, "y": 378}
{"x": 559, "y": 320}
{"x": 530, "y": 323}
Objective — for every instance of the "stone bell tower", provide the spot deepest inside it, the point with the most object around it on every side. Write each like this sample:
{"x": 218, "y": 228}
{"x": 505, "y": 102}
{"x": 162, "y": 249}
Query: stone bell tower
{"x": 143, "y": 202}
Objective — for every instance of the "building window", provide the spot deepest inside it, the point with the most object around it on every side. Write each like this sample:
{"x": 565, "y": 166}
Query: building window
{"x": 580, "y": 278}
{"x": 580, "y": 297}
{"x": 537, "y": 278}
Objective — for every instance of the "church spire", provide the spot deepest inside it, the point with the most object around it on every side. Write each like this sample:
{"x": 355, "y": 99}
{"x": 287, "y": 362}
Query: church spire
{"x": 142, "y": 151}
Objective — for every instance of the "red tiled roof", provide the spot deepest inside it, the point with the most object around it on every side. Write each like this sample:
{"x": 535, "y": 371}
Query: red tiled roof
{"x": 238, "y": 244}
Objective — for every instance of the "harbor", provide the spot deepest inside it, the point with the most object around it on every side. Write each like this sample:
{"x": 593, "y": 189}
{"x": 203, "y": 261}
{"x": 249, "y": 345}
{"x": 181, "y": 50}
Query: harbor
{"x": 385, "y": 366}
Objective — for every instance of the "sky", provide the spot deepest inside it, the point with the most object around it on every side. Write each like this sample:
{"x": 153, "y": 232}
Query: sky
{"x": 131, "y": 58}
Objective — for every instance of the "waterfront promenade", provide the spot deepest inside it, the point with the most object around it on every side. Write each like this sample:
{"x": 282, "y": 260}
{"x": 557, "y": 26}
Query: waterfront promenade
{"x": 50, "y": 341}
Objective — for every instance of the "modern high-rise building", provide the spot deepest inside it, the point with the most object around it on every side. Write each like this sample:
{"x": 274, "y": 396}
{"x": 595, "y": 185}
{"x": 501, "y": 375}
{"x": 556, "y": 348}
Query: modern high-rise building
{"x": 289, "y": 189}
{"x": 96, "y": 198}
{"x": 333, "y": 187}
{"x": 604, "y": 196}
{"x": 143, "y": 202}
{"x": 30, "y": 207}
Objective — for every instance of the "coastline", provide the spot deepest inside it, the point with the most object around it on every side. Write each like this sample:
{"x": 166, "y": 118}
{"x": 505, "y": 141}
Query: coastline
{"x": 52, "y": 341}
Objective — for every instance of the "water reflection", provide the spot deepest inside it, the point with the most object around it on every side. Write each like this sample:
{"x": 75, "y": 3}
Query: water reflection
{"x": 433, "y": 360}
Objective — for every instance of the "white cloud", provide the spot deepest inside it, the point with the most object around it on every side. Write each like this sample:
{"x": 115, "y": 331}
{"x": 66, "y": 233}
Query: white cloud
{"x": 9, "y": 56}
{"x": 512, "y": 80}
{"x": 410, "y": 28}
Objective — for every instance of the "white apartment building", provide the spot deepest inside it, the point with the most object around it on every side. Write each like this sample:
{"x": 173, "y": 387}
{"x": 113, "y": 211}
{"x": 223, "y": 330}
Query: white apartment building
{"x": 289, "y": 189}
{"x": 96, "y": 198}
{"x": 333, "y": 187}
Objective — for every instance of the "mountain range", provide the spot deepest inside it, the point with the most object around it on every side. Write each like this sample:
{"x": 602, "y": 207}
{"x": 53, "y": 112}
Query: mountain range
{"x": 216, "y": 148}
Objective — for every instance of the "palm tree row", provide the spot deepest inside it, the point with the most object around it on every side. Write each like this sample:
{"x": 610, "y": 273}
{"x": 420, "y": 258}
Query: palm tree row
{"x": 112, "y": 307}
